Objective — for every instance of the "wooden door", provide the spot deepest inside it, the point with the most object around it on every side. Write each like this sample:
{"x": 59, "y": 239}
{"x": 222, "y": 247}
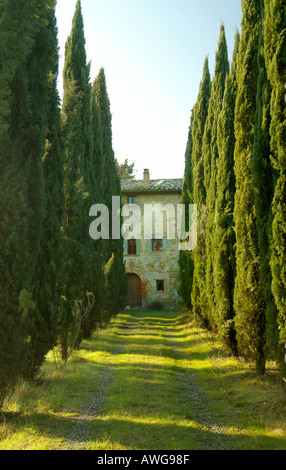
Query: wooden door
{"x": 134, "y": 291}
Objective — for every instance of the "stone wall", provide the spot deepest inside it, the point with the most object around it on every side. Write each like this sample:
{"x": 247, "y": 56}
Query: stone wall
{"x": 153, "y": 266}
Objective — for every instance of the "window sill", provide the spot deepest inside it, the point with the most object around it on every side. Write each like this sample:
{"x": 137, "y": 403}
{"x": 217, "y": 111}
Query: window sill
{"x": 126, "y": 254}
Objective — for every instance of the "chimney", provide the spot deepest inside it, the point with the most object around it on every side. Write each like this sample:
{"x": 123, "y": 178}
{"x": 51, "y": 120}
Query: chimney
{"x": 146, "y": 178}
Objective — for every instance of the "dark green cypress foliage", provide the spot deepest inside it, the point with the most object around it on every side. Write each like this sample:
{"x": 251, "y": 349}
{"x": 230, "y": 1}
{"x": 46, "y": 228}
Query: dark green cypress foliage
{"x": 200, "y": 116}
{"x": 96, "y": 250}
{"x": 23, "y": 117}
{"x": 200, "y": 113}
{"x": 77, "y": 139}
{"x": 46, "y": 280}
{"x": 224, "y": 236}
{"x": 248, "y": 298}
{"x": 113, "y": 248}
{"x": 185, "y": 257}
{"x": 187, "y": 195}
{"x": 111, "y": 183}
{"x": 262, "y": 178}
{"x": 17, "y": 39}
{"x": 274, "y": 51}
{"x": 93, "y": 193}
{"x": 210, "y": 152}
{"x": 97, "y": 159}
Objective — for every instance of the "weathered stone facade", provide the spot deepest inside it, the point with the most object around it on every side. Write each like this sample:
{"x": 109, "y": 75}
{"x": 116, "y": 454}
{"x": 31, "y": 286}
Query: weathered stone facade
{"x": 152, "y": 264}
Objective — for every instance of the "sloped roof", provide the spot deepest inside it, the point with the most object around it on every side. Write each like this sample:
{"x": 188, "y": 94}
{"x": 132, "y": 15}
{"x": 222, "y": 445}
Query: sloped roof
{"x": 155, "y": 186}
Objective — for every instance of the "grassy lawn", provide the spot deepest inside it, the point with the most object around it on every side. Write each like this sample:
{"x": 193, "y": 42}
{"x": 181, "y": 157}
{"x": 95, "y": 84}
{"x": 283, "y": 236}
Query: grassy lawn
{"x": 150, "y": 381}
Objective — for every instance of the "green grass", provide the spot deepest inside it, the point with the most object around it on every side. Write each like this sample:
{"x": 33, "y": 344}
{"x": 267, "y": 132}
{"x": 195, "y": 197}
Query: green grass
{"x": 155, "y": 382}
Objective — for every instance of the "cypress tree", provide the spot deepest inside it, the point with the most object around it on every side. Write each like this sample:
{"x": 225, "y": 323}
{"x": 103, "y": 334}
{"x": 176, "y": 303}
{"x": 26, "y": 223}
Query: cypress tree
{"x": 111, "y": 183}
{"x": 185, "y": 257}
{"x": 200, "y": 116}
{"x": 113, "y": 248}
{"x": 17, "y": 39}
{"x": 46, "y": 280}
{"x": 224, "y": 237}
{"x": 187, "y": 195}
{"x": 77, "y": 140}
{"x": 97, "y": 157}
{"x": 210, "y": 152}
{"x": 262, "y": 178}
{"x": 248, "y": 298}
{"x": 23, "y": 118}
{"x": 200, "y": 113}
{"x": 274, "y": 52}
{"x": 96, "y": 249}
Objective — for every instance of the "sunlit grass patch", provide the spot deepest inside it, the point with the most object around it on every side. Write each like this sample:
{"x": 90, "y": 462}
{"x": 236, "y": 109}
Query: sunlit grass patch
{"x": 170, "y": 386}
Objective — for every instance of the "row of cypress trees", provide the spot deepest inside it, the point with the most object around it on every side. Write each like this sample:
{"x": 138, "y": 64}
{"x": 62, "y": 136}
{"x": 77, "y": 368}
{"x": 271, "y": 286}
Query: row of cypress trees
{"x": 234, "y": 281}
{"x": 55, "y": 163}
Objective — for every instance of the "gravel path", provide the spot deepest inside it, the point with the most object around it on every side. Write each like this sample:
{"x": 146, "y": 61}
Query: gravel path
{"x": 80, "y": 436}
{"x": 200, "y": 406}
{"x": 203, "y": 413}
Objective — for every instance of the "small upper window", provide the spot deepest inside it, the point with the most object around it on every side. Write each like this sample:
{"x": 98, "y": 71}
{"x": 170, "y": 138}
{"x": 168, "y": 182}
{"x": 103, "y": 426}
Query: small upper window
{"x": 132, "y": 200}
{"x": 132, "y": 247}
{"x": 157, "y": 245}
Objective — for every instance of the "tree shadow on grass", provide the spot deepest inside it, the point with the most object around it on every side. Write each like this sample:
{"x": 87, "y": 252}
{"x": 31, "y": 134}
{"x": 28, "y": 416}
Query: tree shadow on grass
{"x": 193, "y": 424}
{"x": 128, "y": 433}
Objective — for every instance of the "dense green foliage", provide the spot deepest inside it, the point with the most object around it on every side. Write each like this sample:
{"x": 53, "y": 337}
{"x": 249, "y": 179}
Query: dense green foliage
{"x": 200, "y": 116}
{"x": 223, "y": 234}
{"x": 262, "y": 180}
{"x": 237, "y": 280}
{"x": 55, "y": 163}
{"x": 77, "y": 137}
{"x": 96, "y": 273}
{"x": 192, "y": 285}
{"x": 248, "y": 299}
{"x": 113, "y": 248}
{"x": 46, "y": 278}
{"x": 210, "y": 154}
{"x": 186, "y": 258}
{"x": 125, "y": 170}
{"x": 25, "y": 66}
{"x": 274, "y": 51}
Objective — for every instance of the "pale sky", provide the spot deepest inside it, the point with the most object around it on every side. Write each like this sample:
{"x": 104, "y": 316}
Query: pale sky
{"x": 153, "y": 53}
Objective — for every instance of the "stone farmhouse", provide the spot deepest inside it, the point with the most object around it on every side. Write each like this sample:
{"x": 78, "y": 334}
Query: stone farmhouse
{"x": 152, "y": 264}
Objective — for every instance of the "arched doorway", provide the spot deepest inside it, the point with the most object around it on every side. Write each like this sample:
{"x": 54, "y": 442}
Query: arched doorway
{"x": 134, "y": 296}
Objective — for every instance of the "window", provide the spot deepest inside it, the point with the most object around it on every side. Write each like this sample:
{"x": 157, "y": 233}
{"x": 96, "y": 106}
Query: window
{"x": 160, "y": 286}
{"x": 157, "y": 245}
{"x": 132, "y": 247}
{"x": 132, "y": 200}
